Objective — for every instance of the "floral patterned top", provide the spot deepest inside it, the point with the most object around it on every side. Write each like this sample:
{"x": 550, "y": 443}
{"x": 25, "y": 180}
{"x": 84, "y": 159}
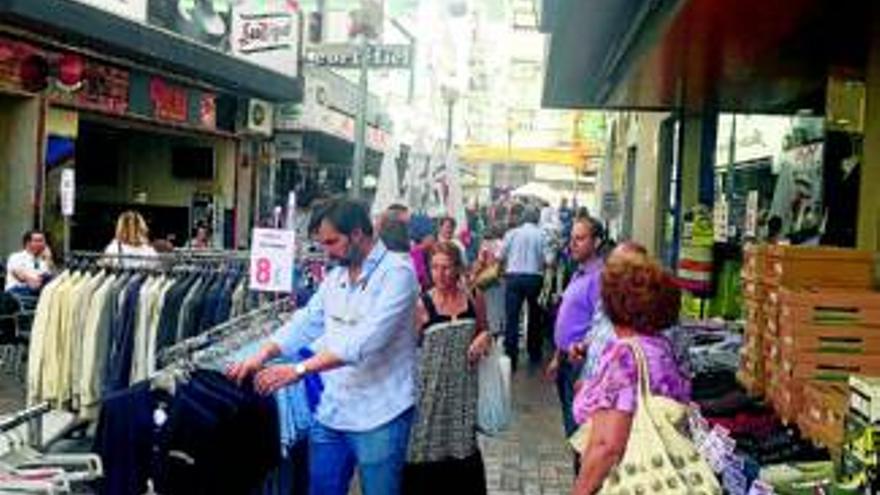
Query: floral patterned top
{"x": 614, "y": 386}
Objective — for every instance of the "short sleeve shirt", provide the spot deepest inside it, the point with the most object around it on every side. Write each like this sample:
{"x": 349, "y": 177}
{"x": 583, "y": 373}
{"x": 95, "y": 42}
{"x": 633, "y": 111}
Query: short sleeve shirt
{"x": 23, "y": 261}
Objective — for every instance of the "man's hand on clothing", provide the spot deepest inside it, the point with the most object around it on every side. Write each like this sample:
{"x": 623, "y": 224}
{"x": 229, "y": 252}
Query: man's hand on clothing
{"x": 239, "y": 372}
{"x": 275, "y": 377}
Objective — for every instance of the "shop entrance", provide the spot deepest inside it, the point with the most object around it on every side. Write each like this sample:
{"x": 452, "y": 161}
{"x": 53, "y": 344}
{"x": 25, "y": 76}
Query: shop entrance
{"x": 164, "y": 175}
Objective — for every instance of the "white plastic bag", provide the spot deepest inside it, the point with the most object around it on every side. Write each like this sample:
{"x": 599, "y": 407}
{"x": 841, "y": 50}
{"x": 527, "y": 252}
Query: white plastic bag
{"x": 494, "y": 408}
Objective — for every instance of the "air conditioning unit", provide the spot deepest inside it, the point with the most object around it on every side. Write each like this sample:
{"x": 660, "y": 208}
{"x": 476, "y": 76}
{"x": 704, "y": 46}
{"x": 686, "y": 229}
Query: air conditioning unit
{"x": 259, "y": 117}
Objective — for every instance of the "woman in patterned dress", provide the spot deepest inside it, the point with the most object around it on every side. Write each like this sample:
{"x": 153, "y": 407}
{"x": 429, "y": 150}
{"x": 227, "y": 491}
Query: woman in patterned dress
{"x": 444, "y": 457}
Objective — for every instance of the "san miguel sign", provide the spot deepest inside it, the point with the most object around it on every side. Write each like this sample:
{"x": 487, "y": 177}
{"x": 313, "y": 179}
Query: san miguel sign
{"x": 258, "y": 33}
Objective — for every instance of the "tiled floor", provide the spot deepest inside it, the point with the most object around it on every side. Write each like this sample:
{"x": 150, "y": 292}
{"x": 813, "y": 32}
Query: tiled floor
{"x": 532, "y": 457}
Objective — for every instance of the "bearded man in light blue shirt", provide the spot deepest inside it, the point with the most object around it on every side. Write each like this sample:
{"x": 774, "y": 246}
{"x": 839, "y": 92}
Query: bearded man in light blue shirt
{"x": 360, "y": 322}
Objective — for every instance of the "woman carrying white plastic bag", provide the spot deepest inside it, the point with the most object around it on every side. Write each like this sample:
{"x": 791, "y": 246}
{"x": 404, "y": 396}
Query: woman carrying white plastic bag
{"x": 494, "y": 407}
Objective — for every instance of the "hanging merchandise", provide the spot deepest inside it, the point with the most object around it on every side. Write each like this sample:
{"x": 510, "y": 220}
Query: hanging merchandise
{"x": 388, "y": 188}
{"x": 100, "y": 324}
{"x": 694, "y": 271}
{"x": 182, "y": 424}
{"x": 797, "y": 200}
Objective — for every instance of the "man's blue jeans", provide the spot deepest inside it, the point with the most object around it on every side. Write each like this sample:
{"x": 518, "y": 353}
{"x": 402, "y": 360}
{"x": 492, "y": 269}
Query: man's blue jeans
{"x": 379, "y": 455}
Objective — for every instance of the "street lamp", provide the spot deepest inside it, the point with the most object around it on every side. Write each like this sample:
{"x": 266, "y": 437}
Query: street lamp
{"x": 450, "y": 97}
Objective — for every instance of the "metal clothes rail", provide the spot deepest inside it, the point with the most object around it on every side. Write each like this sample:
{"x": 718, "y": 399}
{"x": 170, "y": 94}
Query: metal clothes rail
{"x": 186, "y": 349}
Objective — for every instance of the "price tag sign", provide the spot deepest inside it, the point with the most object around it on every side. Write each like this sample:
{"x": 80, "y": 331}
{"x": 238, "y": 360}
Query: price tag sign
{"x": 272, "y": 252}
{"x": 67, "y": 191}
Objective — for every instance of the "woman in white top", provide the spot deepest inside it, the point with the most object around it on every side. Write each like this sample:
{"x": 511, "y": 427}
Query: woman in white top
{"x": 132, "y": 239}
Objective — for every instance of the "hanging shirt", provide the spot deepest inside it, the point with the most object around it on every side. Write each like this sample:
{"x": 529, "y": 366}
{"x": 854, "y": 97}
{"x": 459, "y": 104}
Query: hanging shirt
{"x": 37, "y": 354}
{"x": 370, "y": 325}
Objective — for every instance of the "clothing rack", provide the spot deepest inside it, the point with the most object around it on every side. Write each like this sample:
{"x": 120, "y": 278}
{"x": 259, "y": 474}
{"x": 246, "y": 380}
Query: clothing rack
{"x": 32, "y": 416}
{"x": 187, "y": 255}
{"x": 186, "y": 350}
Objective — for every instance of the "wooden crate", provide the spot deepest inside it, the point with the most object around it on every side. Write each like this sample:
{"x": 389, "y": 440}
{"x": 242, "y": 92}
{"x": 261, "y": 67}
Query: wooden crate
{"x": 803, "y": 266}
{"x": 754, "y": 261}
{"x": 817, "y": 339}
{"x": 829, "y": 307}
{"x": 754, "y": 290}
{"x": 786, "y": 399}
{"x": 831, "y": 367}
{"x": 822, "y": 413}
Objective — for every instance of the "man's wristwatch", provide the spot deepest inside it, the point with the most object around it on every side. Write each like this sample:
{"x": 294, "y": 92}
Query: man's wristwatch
{"x": 300, "y": 369}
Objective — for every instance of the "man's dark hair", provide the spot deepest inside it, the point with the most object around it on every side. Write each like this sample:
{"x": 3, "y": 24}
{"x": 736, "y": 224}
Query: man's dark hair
{"x": 774, "y": 226}
{"x": 516, "y": 212}
{"x": 345, "y": 215}
{"x": 597, "y": 229}
{"x": 26, "y": 238}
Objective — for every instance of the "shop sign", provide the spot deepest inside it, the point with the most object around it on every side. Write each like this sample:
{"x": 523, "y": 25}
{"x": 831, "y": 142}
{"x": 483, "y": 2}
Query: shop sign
{"x": 287, "y": 116}
{"x": 67, "y": 190}
{"x": 263, "y": 32}
{"x": 271, "y": 266}
{"x": 346, "y": 56}
{"x": 132, "y": 9}
{"x": 267, "y": 37}
{"x": 610, "y": 205}
{"x": 22, "y": 66}
{"x": 169, "y": 100}
{"x": 104, "y": 87}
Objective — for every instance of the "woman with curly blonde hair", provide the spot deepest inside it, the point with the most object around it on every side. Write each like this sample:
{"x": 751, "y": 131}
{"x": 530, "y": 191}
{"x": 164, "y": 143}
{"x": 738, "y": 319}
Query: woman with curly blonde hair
{"x": 131, "y": 244}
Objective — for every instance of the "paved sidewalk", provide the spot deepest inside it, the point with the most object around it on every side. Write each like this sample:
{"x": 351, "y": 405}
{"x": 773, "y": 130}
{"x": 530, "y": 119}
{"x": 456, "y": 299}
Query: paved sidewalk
{"x": 532, "y": 457}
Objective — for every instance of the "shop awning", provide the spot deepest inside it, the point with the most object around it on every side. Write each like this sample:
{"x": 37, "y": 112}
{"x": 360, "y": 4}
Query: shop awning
{"x": 111, "y": 35}
{"x": 749, "y": 56}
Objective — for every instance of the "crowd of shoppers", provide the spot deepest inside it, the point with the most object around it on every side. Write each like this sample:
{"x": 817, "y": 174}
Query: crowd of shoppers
{"x": 406, "y": 315}
{"x": 410, "y": 306}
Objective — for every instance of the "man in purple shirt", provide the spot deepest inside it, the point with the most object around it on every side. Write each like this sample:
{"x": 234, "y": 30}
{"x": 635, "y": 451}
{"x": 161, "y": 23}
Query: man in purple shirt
{"x": 575, "y": 317}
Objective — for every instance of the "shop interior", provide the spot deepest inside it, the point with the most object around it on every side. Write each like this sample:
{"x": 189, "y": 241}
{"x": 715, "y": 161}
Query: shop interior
{"x": 175, "y": 180}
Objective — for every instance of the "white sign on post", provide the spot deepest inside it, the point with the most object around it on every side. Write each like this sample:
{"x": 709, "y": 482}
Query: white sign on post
{"x": 67, "y": 191}
{"x": 290, "y": 223}
{"x": 272, "y": 252}
{"x": 720, "y": 220}
{"x": 751, "y": 226}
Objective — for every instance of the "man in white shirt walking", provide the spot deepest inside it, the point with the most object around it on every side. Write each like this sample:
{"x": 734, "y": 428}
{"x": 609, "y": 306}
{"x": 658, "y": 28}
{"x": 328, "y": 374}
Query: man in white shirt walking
{"x": 28, "y": 270}
{"x": 526, "y": 255}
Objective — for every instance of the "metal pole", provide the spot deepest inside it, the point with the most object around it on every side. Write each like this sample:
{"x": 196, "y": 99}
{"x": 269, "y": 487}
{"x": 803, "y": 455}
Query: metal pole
{"x": 360, "y": 139}
{"x": 66, "y": 234}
